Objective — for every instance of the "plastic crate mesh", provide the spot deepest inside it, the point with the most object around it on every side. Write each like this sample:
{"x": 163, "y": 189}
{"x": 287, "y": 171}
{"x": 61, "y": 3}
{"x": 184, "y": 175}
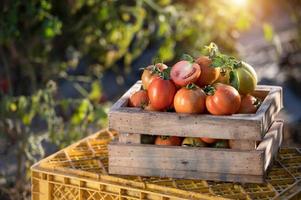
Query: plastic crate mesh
{"x": 89, "y": 159}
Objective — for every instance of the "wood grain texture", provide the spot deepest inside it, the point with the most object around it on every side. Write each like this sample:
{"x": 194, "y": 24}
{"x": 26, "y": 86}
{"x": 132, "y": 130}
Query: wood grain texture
{"x": 129, "y": 138}
{"x": 242, "y": 144}
{"x": 271, "y": 143}
{"x": 197, "y": 163}
{"x": 237, "y": 126}
{"x": 186, "y": 158}
{"x": 187, "y": 174}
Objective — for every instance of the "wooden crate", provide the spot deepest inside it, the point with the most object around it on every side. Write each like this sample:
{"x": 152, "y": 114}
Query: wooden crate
{"x": 254, "y": 141}
{"x": 238, "y": 126}
{"x": 196, "y": 162}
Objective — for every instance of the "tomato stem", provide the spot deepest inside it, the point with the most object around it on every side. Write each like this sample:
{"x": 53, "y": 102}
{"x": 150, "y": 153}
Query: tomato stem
{"x": 209, "y": 90}
{"x": 191, "y": 86}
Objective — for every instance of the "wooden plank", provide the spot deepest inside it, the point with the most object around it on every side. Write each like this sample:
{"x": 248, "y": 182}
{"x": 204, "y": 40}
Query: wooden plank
{"x": 186, "y": 174}
{"x": 238, "y": 126}
{"x": 242, "y": 144}
{"x": 271, "y": 143}
{"x": 129, "y": 138}
{"x": 186, "y": 158}
{"x": 184, "y": 125}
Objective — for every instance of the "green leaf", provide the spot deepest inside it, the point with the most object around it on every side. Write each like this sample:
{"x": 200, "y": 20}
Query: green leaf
{"x": 187, "y": 57}
{"x": 217, "y": 62}
{"x": 234, "y": 79}
{"x": 268, "y": 32}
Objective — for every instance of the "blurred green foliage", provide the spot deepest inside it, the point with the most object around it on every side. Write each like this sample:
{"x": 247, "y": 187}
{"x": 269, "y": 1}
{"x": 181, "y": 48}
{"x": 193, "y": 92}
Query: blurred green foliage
{"x": 41, "y": 39}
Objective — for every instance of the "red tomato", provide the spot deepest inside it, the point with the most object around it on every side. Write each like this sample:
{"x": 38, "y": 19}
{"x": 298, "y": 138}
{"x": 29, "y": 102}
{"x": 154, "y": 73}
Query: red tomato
{"x": 225, "y": 100}
{"x": 209, "y": 74}
{"x": 190, "y": 101}
{"x": 208, "y": 140}
{"x": 185, "y": 72}
{"x": 139, "y": 99}
{"x": 161, "y": 93}
{"x": 149, "y": 74}
{"x": 168, "y": 140}
{"x": 249, "y": 104}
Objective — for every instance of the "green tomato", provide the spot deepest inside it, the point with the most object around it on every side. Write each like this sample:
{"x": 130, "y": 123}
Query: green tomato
{"x": 247, "y": 78}
{"x": 193, "y": 142}
{"x": 221, "y": 144}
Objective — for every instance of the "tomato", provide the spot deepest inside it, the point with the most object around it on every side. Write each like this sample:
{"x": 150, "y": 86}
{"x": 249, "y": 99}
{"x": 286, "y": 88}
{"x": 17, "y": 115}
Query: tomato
{"x": 209, "y": 74}
{"x": 148, "y": 139}
{"x": 139, "y": 99}
{"x": 221, "y": 144}
{"x": 161, "y": 93}
{"x": 190, "y": 100}
{"x": 225, "y": 100}
{"x": 193, "y": 142}
{"x": 249, "y": 104}
{"x": 168, "y": 140}
{"x": 208, "y": 140}
{"x": 149, "y": 73}
{"x": 185, "y": 72}
{"x": 149, "y": 107}
{"x": 247, "y": 78}
{"x": 224, "y": 76}
{"x": 246, "y": 75}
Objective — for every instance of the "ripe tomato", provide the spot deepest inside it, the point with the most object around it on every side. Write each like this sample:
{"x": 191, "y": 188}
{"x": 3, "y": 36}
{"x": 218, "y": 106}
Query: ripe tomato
{"x": 168, "y": 140}
{"x": 185, "y": 72}
{"x": 161, "y": 93}
{"x": 149, "y": 73}
{"x": 225, "y": 100}
{"x": 208, "y": 140}
{"x": 190, "y": 100}
{"x": 193, "y": 142}
{"x": 249, "y": 104}
{"x": 139, "y": 99}
{"x": 209, "y": 74}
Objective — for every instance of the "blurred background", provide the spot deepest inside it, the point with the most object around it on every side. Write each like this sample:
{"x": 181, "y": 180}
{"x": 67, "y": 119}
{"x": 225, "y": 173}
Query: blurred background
{"x": 63, "y": 63}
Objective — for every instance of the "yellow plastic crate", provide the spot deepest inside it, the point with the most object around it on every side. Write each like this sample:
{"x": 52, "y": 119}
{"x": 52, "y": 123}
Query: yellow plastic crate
{"x": 79, "y": 172}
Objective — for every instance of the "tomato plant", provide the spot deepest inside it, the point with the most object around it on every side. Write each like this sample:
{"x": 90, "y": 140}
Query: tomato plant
{"x": 190, "y": 99}
{"x": 222, "y": 99}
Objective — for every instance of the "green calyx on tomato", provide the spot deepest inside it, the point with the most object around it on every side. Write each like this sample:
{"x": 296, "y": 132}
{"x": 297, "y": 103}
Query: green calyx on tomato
{"x": 209, "y": 90}
{"x": 191, "y": 86}
{"x": 187, "y": 57}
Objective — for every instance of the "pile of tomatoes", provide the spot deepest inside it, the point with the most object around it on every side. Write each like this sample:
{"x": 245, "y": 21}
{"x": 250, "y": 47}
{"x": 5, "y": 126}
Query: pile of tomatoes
{"x": 196, "y": 86}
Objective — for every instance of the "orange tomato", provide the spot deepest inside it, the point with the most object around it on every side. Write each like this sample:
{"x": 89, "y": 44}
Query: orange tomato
{"x": 190, "y": 101}
{"x": 209, "y": 74}
{"x": 249, "y": 104}
{"x": 224, "y": 100}
{"x": 161, "y": 93}
{"x": 168, "y": 141}
{"x": 208, "y": 140}
{"x": 149, "y": 74}
{"x": 139, "y": 99}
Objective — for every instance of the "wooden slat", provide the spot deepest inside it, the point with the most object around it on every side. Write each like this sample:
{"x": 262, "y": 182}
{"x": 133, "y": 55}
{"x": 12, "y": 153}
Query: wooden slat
{"x": 186, "y": 158}
{"x": 129, "y": 138}
{"x": 187, "y": 174}
{"x": 242, "y": 144}
{"x": 271, "y": 143}
{"x": 238, "y": 126}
